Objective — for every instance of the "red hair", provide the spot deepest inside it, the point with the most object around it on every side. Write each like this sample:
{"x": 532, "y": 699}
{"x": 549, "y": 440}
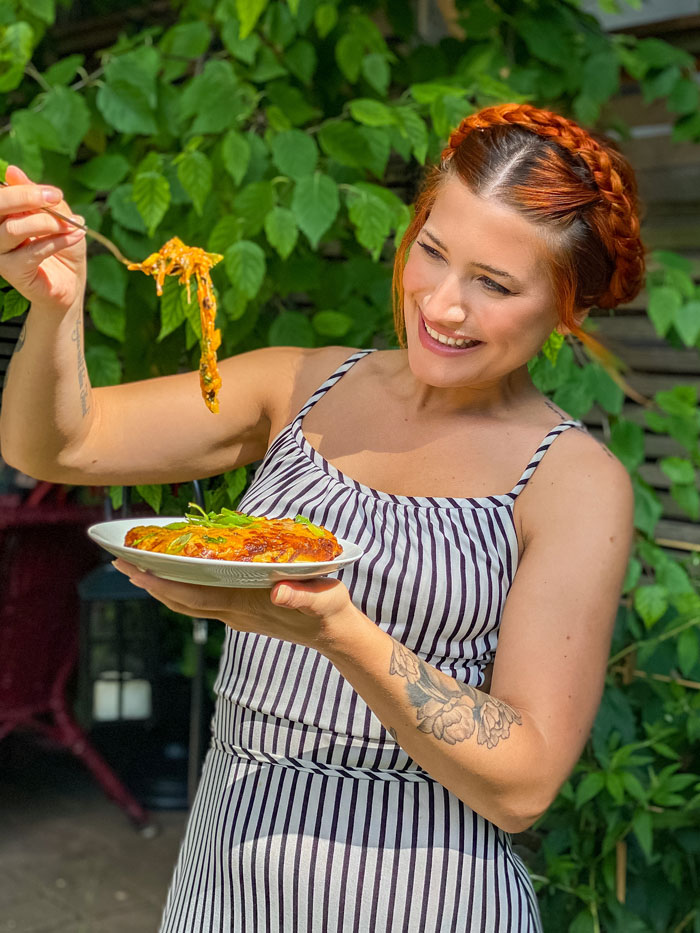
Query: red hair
{"x": 574, "y": 185}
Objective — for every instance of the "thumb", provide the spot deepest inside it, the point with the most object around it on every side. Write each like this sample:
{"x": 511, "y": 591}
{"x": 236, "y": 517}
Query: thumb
{"x": 313, "y": 597}
{"x": 15, "y": 176}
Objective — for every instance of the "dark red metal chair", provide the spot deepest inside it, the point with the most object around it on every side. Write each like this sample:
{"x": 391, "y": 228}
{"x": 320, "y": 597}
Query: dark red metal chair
{"x": 44, "y": 552}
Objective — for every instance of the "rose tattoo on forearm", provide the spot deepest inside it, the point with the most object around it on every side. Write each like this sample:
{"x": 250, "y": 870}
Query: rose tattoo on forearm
{"x": 450, "y": 710}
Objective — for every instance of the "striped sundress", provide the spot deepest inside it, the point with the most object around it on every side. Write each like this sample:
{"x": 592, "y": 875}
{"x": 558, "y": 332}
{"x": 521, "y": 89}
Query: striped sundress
{"x": 309, "y": 817}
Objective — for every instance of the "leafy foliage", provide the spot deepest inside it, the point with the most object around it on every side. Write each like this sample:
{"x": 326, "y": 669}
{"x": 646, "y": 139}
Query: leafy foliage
{"x": 289, "y": 136}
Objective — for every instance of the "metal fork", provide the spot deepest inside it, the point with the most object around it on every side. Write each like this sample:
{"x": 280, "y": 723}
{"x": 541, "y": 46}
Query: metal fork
{"x": 105, "y": 241}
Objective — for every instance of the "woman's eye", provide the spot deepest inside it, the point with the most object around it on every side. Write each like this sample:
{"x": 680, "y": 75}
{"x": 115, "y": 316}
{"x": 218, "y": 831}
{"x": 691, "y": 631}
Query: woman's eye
{"x": 493, "y": 286}
{"x": 433, "y": 253}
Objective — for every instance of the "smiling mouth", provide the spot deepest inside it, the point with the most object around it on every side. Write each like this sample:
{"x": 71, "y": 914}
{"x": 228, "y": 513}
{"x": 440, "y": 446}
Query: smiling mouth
{"x": 458, "y": 342}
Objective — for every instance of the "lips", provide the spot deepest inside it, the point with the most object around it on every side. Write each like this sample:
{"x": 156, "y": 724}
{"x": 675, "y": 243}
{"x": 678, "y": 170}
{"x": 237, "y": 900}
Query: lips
{"x": 442, "y": 343}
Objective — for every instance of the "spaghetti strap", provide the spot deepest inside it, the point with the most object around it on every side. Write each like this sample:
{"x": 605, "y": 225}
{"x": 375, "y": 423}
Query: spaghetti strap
{"x": 546, "y": 443}
{"x": 331, "y": 381}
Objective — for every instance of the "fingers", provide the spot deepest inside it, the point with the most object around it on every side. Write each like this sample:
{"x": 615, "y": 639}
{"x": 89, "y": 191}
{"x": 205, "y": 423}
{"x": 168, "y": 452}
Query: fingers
{"x": 16, "y": 229}
{"x": 23, "y": 195}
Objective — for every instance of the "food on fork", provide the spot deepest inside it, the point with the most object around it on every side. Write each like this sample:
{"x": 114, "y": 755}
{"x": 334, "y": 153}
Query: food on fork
{"x": 175, "y": 258}
{"x": 231, "y": 535}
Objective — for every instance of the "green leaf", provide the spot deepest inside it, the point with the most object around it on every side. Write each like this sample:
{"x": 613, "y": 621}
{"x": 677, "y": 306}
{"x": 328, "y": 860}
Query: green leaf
{"x": 678, "y": 469}
{"x": 104, "y": 172}
{"x": 331, "y": 323}
{"x": 372, "y": 219}
{"x": 687, "y": 322}
{"x": 245, "y": 267}
{"x": 552, "y": 346}
{"x": 601, "y": 76}
{"x": 195, "y": 174}
{"x": 634, "y": 572}
{"x": 281, "y": 230}
{"x": 647, "y": 508}
{"x": 680, "y": 400}
{"x": 126, "y": 108}
{"x": 688, "y": 650}
{"x": 291, "y": 329}
{"x": 583, "y": 922}
{"x": 627, "y": 443}
{"x": 151, "y": 195}
{"x": 235, "y": 484}
{"x": 349, "y": 52}
{"x": 34, "y": 128}
{"x": 252, "y": 205}
{"x": 68, "y": 113}
{"x": 688, "y": 498}
{"x": 153, "y": 495}
{"x": 107, "y": 278}
{"x": 344, "y": 142}
{"x": 183, "y": 41}
{"x": 210, "y": 97}
{"x": 116, "y": 495}
{"x": 64, "y": 70}
{"x": 123, "y": 209}
{"x": 634, "y": 787}
{"x": 301, "y": 60}
{"x": 664, "y": 303}
{"x": 294, "y": 153}
{"x": 248, "y": 12}
{"x": 315, "y": 204}
{"x": 651, "y": 602}
{"x": 13, "y": 305}
{"x": 16, "y": 44}
{"x": 589, "y": 787}
{"x": 108, "y": 318}
{"x": 235, "y": 304}
{"x": 642, "y": 827}
{"x": 414, "y": 129}
{"x": 235, "y": 153}
{"x": 378, "y": 147}
{"x": 44, "y": 10}
{"x": 684, "y": 96}
{"x": 103, "y": 365}
{"x": 172, "y": 307}
{"x": 325, "y": 18}
{"x": 375, "y": 69}
{"x": 371, "y": 112}
{"x": 545, "y": 38}
{"x": 227, "y": 230}
{"x": 659, "y": 83}
{"x": 605, "y": 391}
{"x": 244, "y": 50}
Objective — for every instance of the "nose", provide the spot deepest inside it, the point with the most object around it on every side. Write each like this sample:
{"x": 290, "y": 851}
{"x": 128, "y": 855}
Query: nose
{"x": 445, "y": 303}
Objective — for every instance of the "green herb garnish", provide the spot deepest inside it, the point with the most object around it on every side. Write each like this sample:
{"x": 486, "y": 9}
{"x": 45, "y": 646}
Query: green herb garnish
{"x": 314, "y": 529}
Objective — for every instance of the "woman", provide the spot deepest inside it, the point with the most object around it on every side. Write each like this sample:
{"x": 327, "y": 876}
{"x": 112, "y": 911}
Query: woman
{"x": 363, "y": 775}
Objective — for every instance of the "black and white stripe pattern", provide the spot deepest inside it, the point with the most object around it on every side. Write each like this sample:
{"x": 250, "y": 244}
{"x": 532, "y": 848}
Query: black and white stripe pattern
{"x": 309, "y": 817}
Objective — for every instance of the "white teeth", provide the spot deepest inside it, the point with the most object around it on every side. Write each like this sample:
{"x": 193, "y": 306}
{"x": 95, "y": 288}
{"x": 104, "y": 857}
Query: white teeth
{"x": 449, "y": 341}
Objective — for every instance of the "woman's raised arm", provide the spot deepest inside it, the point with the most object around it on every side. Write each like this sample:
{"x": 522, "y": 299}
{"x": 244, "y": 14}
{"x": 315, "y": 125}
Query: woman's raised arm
{"x": 55, "y": 426}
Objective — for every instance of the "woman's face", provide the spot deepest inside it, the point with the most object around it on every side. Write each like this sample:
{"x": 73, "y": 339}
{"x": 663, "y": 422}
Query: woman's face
{"x": 476, "y": 272}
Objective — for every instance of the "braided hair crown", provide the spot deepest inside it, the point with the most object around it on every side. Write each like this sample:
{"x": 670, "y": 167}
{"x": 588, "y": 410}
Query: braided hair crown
{"x": 615, "y": 218}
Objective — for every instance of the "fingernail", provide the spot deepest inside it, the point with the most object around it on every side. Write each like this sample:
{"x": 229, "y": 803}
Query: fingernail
{"x": 77, "y": 219}
{"x": 283, "y": 593}
{"x": 52, "y": 195}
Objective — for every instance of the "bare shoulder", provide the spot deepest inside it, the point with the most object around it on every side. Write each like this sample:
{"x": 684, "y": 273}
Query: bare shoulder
{"x": 579, "y": 480}
{"x": 290, "y": 375}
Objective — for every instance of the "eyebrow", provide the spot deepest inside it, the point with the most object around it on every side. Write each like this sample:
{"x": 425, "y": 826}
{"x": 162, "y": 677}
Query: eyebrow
{"x": 480, "y": 265}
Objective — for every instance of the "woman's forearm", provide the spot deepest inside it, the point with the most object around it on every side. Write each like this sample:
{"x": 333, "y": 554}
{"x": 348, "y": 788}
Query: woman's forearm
{"x": 47, "y": 405}
{"x": 485, "y": 752}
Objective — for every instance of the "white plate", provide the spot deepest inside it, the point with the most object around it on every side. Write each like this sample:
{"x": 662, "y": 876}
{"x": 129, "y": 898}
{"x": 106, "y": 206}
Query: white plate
{"x": 207, "y": 572}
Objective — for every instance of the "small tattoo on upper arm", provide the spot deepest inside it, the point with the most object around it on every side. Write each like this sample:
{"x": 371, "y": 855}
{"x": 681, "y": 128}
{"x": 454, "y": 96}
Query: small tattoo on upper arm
{"x": 82, "y": 370}
{"x": 447, "y": 709}
{"x": 392, "y": 733}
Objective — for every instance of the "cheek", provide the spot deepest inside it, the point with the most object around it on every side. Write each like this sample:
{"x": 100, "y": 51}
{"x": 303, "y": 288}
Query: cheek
{"x": 416, "y": 277}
